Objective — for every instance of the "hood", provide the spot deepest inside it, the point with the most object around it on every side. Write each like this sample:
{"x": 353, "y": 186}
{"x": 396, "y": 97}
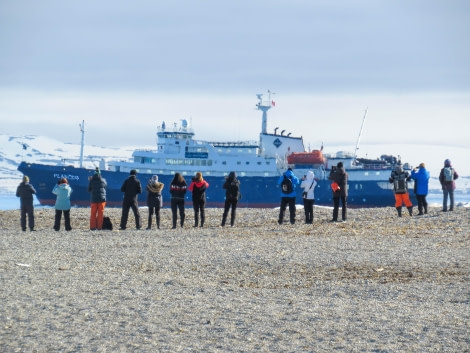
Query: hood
{"x": 289, "y": 173}
{"x": 310, "y": 175}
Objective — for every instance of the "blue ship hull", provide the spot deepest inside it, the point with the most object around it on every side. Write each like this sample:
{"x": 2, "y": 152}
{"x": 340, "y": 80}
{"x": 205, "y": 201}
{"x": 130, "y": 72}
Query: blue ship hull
{"x": 257, "y": 192}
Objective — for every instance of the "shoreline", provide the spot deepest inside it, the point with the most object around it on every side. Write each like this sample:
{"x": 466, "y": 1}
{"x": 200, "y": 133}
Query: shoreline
{"x": 374, "y": 283}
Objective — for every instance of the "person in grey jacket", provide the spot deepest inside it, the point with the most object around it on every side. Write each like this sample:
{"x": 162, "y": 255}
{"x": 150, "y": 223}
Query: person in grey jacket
{"x": 62, "y": 205}
{"x": 97, "y": 187}
{"x": 131, "y": 189}
{"x": 25, "y": 192}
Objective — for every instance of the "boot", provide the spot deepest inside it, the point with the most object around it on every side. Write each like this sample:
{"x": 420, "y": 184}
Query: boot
{"x": 149, "y": 222}
{"x": 410, "y": 210}
{"x": 158, "y": 221}
{"x": 399, "y": 211}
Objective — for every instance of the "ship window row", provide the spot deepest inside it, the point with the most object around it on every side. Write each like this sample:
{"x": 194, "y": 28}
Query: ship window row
{"x": 189, "y": 162}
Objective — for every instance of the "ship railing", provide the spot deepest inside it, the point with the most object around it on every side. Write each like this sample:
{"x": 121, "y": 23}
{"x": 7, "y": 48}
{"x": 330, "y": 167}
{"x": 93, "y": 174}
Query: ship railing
{"x": 245, "y": 144}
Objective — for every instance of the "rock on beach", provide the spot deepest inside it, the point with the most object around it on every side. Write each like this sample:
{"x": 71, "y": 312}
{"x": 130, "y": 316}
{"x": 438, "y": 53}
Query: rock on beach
{"x": 376, "y": 283}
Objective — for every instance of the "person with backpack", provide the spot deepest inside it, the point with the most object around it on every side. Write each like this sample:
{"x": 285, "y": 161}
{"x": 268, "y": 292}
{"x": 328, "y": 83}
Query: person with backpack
{"x": 131, "y": 189}
{"x": 308, "y": 184}
{"x": 154, "y": 200}
{"x": 62, "y": 205}
{"x": 421, "y": 177}
{"x": 198, "y": 188}
{"x": 177, "y": 190}
{"x": 232, "y": 195}
{"x": 288, "y": 182}
{"x": 400, "y": 178}
{"x": 25, "y": 192}
{"x": 339, "y": 187}
{"x": 97, "y": 187}
{"x": 447, "y": 179}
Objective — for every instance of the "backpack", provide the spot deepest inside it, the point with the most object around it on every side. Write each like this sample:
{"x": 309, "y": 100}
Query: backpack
{"x": 399, "y": 183}
{"x": 448, "y": 174}
{"x": 233, "y": 191}
{"x": 286, "y": 185}
{"x": 107, "y": 225}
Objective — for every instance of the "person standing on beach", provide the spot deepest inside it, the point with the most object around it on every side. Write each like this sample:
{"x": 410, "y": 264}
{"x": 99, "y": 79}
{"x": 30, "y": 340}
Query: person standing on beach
{"x": 25, "y": 192}
{"x": 421, "y": 177}
{"x": 288, "y": 182}
{"x": 154, "y": 200}
{"x": 131, "y": 189}
{"x": 198, "y": 188}
{"x": 62, "y": 204}
{"x": 339, "y": 187}
{"x": 400, "y": 178}
{"x": 178, "y": 188}
{"x": 97, "y": 187}
{"x": 447, "y": 178}
{"x": 232, "y": 194}
{"x": 308, "y": 184}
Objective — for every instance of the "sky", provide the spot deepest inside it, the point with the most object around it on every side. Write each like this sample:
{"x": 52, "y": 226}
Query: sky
{"x": 124, "y": 67}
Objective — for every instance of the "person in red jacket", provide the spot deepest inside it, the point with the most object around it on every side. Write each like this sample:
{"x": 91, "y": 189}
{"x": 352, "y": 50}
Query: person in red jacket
{"x": 198, "y": 188}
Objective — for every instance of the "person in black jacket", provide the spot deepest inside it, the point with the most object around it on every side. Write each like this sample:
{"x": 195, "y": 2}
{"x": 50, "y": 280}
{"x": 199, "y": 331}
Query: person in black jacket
{"x": 97, "y": 189}
{"x": 131, "y": 189}
{"x": 25, "y": 192}
{"x": 339, "y": 186}
{"x": 232, "y": 194}
{"x": 177, "y": 190}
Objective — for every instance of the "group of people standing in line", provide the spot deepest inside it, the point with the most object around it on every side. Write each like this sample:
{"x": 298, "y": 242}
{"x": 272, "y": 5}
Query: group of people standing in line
{"x": 288, "y": 182}
{"x": 131, "y": 188}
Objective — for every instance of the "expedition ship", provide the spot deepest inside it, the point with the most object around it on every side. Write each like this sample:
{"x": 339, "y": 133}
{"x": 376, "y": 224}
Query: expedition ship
{"x": 257, "y": 164}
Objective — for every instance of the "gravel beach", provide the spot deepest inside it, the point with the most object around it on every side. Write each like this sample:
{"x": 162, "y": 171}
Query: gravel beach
{"x": 376, "y": 283}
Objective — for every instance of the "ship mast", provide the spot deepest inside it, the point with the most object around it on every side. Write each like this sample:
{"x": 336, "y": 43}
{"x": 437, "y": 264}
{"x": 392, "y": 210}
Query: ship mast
{"x": 82, "y": 129}
{"x": 359, "y": 137}
{"x": 264, "y": 107}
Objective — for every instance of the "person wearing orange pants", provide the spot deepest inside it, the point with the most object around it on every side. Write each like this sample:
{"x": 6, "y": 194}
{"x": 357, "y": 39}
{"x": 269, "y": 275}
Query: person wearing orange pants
{"x": 96, "y": 215}
{"x": 400, "y": 178}
{"x": 97, "y": 188}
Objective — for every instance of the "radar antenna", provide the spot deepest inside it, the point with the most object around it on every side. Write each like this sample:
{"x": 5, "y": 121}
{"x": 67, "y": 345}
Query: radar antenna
{"x": 264, "y": 106}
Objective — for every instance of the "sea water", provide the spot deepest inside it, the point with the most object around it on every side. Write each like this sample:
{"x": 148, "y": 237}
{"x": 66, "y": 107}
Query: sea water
{"x": 434, "y": 198}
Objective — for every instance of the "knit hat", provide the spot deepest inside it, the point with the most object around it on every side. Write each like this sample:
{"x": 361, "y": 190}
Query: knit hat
{"x": 97, "y": 170}
{"x": 155, "y": 178}
{"x": 339, "y": 165}
{"x": 133, "y": 172}
{"x": 422, "y": 165}
{"x": 447, "y": 163}
{"x": 25, "y": 179}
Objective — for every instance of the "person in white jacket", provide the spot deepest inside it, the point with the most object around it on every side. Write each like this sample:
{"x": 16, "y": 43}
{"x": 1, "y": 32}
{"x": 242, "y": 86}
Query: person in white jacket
{"x": 308, "y": 184}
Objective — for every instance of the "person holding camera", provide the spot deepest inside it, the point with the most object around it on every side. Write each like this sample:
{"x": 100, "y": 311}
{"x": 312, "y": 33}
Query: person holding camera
{"x": 308, "y": 184}
{"x": 339, "y": 187}
{"x": 62, "y": 205}
{"x": 421, "y": 177}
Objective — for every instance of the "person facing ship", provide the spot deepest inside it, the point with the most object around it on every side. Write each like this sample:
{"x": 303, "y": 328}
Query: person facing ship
{"x": 308, "y": 184}
{"x": 25, "y": 192}
{"x": 154, "y": 200}
{"x": 198, "y": 188}
{"x": 288, "y": 182}
{"x": 131, "y": 189}
{"x": 62, "y": 205}
{"x": 421, "y": 177}
{"x": 339, "y": 187}
{"x": 178, "y": 188}
{"x": 447, "y": 178}
{"x": 232, "y": 194}
{"x": 400, "y": 178}
{"x": 97, "y": 187}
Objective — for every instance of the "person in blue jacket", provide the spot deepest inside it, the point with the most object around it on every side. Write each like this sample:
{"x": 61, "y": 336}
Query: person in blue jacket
{"x": 421, "y": 177}
{"x": 288, "y": 182}
{"x": 62, "y": 205}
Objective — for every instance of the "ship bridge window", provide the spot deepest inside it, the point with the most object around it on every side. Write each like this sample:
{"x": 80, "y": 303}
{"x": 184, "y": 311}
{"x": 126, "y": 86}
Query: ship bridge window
{"x": 247, "y": 162}
{"x": 238, "y": 163}
{"x": 259, "y": 163}
{"x": 224, "y": 162}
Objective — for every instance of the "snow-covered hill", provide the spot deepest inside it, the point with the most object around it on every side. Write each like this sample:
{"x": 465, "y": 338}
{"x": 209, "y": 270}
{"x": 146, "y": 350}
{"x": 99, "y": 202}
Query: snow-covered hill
{"x": 39, "y": 149}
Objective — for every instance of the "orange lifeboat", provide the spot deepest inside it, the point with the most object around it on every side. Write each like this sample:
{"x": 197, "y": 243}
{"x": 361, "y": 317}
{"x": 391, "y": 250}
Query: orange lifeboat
{"x": 314, "y": 157}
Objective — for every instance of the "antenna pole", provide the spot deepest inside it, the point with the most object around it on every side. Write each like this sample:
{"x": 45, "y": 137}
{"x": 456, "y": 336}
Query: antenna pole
{"x": 264, "y": 107}
{"x": 360, "y": 133}
{"x": 82, "y": 129}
